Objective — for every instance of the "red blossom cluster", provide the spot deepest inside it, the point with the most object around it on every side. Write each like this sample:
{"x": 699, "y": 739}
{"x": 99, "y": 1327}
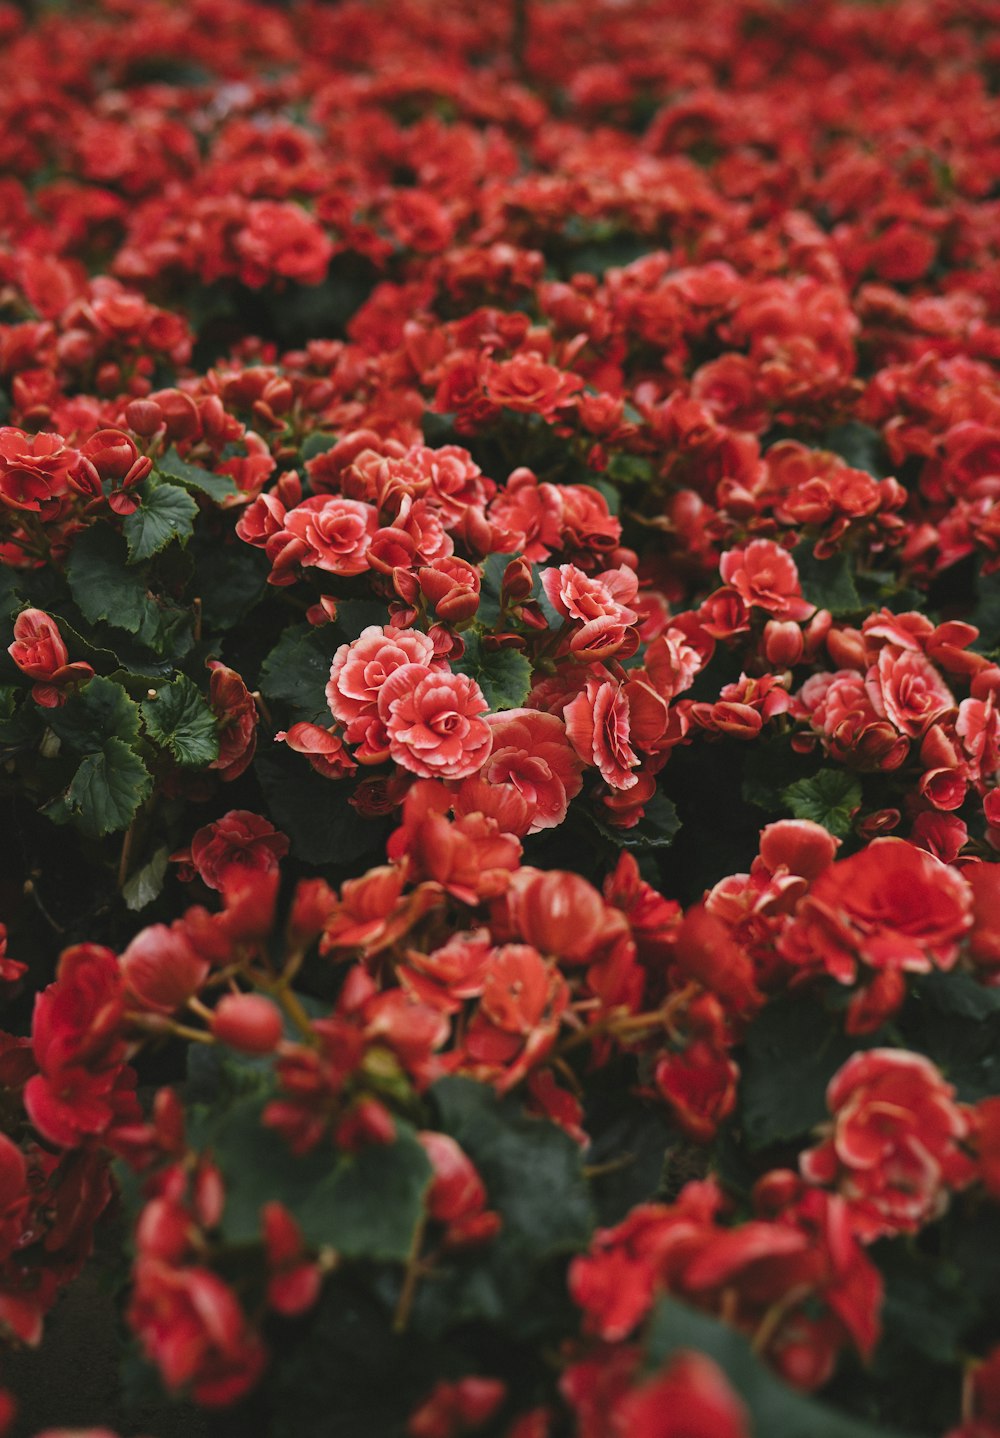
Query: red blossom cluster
{"x": 499, "y": 529}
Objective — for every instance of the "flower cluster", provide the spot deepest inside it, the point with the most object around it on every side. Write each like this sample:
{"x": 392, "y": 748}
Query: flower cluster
{"x": 500, "y": 710}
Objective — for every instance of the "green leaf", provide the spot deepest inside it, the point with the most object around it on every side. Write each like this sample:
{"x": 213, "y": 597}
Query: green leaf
{"x": 180, "y": 720}
{"x": 766, "y": 769}
{"x": 947, "y": 1020}
{"x": 229, "y": 577}
{"x": 534, "y": 1177}
{"x": 314, "y": 812}
{"x": 830, "y": 798}
{"x": 776, "y": 1411}
{"x": 364, "y": 1205}
{"x": 657, "y": 828}
{"x": 928, "y": 1305}
{"x": 793, "y": 1049}
{"x": 957, "y": 993}
{"x": 166, "y": 513}
{"x": 297, "y": 670}
{"x": 315, "y": 444}
{"x": 629, "y": 1142}
{"x": 146, "y": 884}
{"x": 504, "y": 675}
{"x": 100, "y": 711}
{"x": 105, "y": 589}
{"x": 354, "y": 615}
{"x": 105, "y": 792}
{"x": 21, "y": 723}
{"x": 858, "y": 445}
{"x": 986, "y": 615}
{"x": 827, "y": 583}
{"x": 488, "y": 613}
{"x": 192, "y": 476}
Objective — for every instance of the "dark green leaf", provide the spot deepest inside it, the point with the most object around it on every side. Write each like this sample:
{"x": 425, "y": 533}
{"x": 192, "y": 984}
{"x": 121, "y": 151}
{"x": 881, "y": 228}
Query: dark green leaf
{"x": 928, "y": 1305}
{"x": 517, "y": 1281}
{"x": 859, "y": 445}
{"x": 354, "y": 615}
{"x": 101, "y": 710}
{"x": 488, "y": 613}
{"x": 104, "y": 587}
{"x": 949, "y": 1023}
{"x": 317, "y": 443}
{"x": 957, "y": 993}
{"x": 986, "y": 615}
{"x": 192, "y": 476}
{"x": 827, "y": 583}
{"x": 830, "y": 798}
{"x": 105, "y": 792}
{"x": 629, "y": 1142}
{"x": 776, "y": 1411}
{"x": 767, "y": 766}
{"x": 793, "y": 1049}
{"x": 314, "y": 812}
{"x": 364, "y": 1205}
{"x": 10, "y": 600}
{"x": 146, "y": 884}
{"x": 504, "y": 675}
{"x": 655, "y": 830}
{"x": 229, "y": 578}
{"x": 297, "y": 670}
{"x": 180, "y": 720}
{"x": 166, "y": 513}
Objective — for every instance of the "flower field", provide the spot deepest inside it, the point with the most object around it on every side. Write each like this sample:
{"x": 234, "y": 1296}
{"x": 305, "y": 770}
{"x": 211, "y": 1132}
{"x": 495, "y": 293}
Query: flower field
{"x": 500, "y": 718}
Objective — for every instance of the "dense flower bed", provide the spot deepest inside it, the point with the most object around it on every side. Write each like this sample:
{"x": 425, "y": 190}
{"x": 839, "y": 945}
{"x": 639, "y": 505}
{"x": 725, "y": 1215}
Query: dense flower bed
{"x": 500, "y": 712}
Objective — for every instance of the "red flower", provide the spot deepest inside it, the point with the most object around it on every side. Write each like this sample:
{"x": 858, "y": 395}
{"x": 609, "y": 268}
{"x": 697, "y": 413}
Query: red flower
{"x": 161, "y": 968}
{"x": 326, "y": 532}
{"x": 598, "y": 725}
{"x": 249, "y": 1023}
{"x": 599, "y": 605}
{"x": 451, "y": 1409}
{"x": 32, "y": 470}
{"x": 190, "y": 1324}
{"x": 110, "y": 459}
{"x": 891, "y": 906}
{"x": 892, "y": 1149}
{"x": 457, "y": 1195}
{"x": 531, "y": 752}
{"x": 358, "y": 673}
{"x": 230, "y": 851}
{"x": 690, "y": 1398}
{"x": 236, "y": 716}
{"x": 764, "y": 575}
{"x": 527, "y": 384}
{"x": 905, "y": 688}
{"x": 433, "y": 721}
{"x": 282, "y": 240}
{"x": 324, "y": 749}
{"x": 38, "y": 651}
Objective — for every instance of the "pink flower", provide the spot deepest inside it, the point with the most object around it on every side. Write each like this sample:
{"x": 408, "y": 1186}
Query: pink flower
{"x": 892, "y": 1148}
{"x": 38, "y": 651}
{"x": 531, "y": 752}
{"x": 764, "y": 575}
{"x": 326, "y": 532}
{"x": 905, "y": 688}
{"x": 597, "y": 723}
{"x": 432, "y": 718}
{"x": 358, "y": 674}
{"x": 236, "y": 847}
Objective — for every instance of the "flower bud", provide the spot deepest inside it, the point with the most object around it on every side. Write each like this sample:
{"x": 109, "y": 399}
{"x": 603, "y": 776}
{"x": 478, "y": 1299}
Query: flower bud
{"x": 783, "y": 643}
{"x": 248, "y": 1022}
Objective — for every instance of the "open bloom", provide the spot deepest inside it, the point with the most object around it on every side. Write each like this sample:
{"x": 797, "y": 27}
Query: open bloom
{"x": 893, "y": 1145}
{"x": 434, "y": 723}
